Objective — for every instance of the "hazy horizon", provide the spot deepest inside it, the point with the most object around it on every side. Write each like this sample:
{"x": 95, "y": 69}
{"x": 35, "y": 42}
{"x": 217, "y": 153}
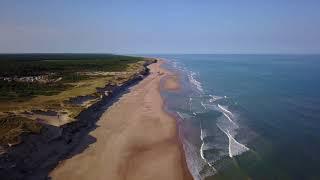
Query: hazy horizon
{"x": 166, "y": 27}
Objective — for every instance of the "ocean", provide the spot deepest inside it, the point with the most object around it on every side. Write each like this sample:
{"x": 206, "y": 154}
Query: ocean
{"x": 248, "y": 116}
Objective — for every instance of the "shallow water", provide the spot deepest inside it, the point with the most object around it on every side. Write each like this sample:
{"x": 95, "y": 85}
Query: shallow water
{"x": 248, "y": 116}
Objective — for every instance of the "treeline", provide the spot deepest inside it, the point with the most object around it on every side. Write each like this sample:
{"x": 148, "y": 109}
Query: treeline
{"x": 64, "y": 66}
{"x": 12, "y": 90}
{"x": 39, "y": 64}
{"x": 62, "y": 56}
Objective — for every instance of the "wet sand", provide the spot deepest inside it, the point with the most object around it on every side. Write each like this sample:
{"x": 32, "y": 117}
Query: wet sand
{"x": 171, "y": 83}
{"x": 136, "y": 139}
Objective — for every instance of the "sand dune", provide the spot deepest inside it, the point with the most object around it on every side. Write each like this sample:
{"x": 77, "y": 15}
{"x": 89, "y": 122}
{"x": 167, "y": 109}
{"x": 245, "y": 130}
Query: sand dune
{"x": 136, "y": 139}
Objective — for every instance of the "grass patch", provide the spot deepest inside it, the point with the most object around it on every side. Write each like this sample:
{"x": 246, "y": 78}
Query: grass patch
{"x": 13, "y": 126}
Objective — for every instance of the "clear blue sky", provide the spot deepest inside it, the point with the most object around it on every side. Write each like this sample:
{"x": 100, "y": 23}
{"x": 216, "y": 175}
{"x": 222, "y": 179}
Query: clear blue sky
{"x": 160, "y": 26}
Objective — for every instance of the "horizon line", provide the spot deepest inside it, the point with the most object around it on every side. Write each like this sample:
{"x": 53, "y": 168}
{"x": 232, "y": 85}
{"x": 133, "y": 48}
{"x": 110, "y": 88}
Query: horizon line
{"x": 128, "y": 54}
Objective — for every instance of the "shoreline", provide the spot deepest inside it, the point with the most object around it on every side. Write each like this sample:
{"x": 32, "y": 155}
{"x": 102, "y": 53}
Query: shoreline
{"x": 142, "y": 143}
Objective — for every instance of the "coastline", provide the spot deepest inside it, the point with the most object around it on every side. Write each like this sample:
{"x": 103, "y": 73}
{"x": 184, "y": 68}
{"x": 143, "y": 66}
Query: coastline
{"x": 135, "y": 138}
{"x": 39, "y": 153}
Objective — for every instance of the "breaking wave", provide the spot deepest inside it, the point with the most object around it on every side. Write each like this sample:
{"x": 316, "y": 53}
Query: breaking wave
{"x": 218, "y": 127}
{"x": 218, "y": 131}
{"x": 235, "y": 148}
{"x": 225, "y": 110}
{"x": 194, "y": 81}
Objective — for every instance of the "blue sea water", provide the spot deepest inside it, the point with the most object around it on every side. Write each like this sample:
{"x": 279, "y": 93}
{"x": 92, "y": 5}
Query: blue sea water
{"x": 248, "y": 116}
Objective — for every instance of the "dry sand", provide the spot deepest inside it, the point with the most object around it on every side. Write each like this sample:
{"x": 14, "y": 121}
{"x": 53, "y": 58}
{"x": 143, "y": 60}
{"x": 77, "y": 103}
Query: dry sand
{"x": 136, "y": 140}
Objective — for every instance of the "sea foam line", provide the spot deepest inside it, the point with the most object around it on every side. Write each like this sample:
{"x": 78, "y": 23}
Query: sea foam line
{"x": 230, "y": 119}
{"x": 225, "y": 110}
{"x": 234, "y": 145}
{"x": 190, "y": 104}
{"x": 205, "y": 160}
{"x": 203, "y": 105}
{"x": 180, "y": 115}
{"x": 214, "y": 98}
{"x": 201, "y": 149}
{"x": 195, "y": 82}
{"x": 201, "y": 134}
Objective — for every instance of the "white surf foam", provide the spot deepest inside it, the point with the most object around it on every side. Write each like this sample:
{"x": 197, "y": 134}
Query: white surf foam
{"x": 225, "y": 109}
{"x": 227, "y": 147}
{"x": 202, "y": 136}
{"x": 205, "y": 160}
{"x": 184, "y": 115}
{"x": 180, "y": 115}
{"x": 214, "y": 98}
{"x": 201, "y": 152}
{"x": 194, "y": 164}
{"x": 230, "y": 119}
{"x": 235, "y": 148}
{"x": 203, "y": 105}
{"x": 194, "y": 81}
{"x": 190, "y": 104}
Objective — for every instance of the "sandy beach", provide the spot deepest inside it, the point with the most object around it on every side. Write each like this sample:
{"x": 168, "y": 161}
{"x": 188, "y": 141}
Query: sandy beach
{"x": 135, "y": 139}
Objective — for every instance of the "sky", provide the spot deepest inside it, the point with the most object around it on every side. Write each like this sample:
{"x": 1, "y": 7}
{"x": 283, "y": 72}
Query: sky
{"x": 160, "y": 26}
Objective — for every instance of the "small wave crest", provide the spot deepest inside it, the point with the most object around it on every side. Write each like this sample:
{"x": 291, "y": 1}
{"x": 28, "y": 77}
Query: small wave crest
{"x": 230, "y": 119}
{"x": 224, "y": 109}
{"x": 217, "y": 145}
{"x": 235, "y": 148}
{"x": 184, "y": 116}
{"x": 194, "y": 81}
{"x": 214, "y": 98}
{"x": 218, "y": 123}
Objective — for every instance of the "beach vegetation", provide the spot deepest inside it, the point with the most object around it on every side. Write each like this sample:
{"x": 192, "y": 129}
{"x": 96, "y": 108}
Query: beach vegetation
{"x": 31, "y": 83}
